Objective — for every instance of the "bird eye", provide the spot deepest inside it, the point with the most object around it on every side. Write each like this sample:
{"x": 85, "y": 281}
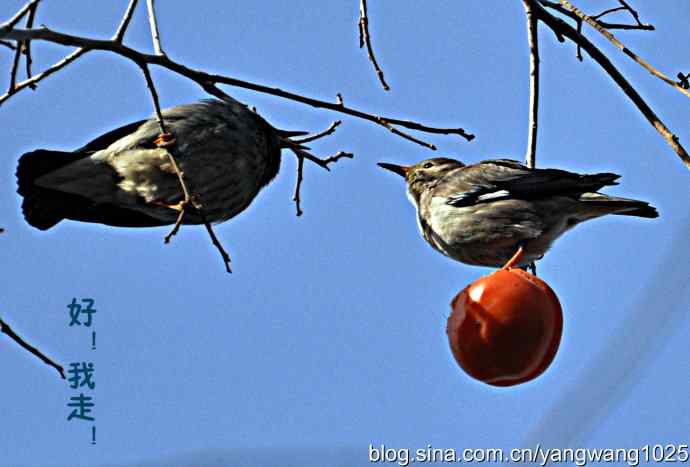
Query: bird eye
{"x": 428, "y": 165}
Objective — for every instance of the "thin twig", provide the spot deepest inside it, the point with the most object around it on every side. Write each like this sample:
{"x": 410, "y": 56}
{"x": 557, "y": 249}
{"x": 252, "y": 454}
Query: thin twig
{"x": 27, "y": 45}
{"x": 7, "y": 44}
{"x": 207, "y": 81}
{"x": 419, "y": 127}
{"x": 154, "y": 97}
{"x": 578, "y": 49}
{"x": 178, "y": 222}
{"x": 644, "y": 27}
{"x": 365, "y": 39}
{"x": 124, "y": 24}
{"x": 31, "y": 82}
{"x": 22, "y": 46}
{"x": 153, "y": 23}
{"x": 635, "y": 15}
{"x": 603, "y": 61}
{"x": 15, "y": 68}
{"x": 6, "y": 329}
{"x": 608, "y": 12}
{"x": 301, "y": 151}
{"x": 338, "y": 155}
{"x": 402, "y": 134}
{"x": 533, "y": 40}
{"x": 298, "y": 185}
{"x": 224, "y": 254}
{"x": 557, "y": 6}
{"x": 626, "y": 51}
{"x": 301, "y": 155}
{"x": 329, "y": 131}
{"x": 20, "y": 14}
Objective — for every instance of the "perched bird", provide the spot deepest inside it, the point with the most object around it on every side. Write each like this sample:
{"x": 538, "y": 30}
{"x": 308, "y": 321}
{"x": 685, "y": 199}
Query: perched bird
{"x": 482, "y": 214}
{"x": 125, "y": 178}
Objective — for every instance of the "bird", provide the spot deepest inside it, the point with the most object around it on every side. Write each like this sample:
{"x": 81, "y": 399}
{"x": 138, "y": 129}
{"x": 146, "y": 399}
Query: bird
{"x": 125, "y": 178}
{"x": 499, "y": 212}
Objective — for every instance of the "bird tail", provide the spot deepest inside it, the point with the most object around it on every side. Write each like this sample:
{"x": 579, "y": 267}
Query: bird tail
{"x": 620, "y": 206}
{"x": 290, "y": 134}
{"x": 41, "y": 206}
{"x": 285, "y": 135}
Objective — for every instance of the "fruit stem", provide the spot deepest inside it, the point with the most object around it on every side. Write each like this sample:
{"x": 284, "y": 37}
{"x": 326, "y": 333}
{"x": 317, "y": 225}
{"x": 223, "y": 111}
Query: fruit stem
{"x": 515, "y": 259}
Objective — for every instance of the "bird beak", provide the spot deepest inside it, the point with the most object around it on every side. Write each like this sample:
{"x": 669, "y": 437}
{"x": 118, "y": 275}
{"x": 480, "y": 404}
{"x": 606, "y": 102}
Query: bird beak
{"x": 398, "y": 169}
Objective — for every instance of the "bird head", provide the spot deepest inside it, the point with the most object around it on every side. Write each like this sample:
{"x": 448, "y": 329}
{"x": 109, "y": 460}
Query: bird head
{"x": 425, "y": 174}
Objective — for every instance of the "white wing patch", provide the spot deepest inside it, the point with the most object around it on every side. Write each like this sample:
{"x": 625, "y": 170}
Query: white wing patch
{"x": 494, "y": 196}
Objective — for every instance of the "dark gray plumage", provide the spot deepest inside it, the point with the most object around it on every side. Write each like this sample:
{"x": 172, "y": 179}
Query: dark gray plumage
{"x": 226, "y": 151}
{"x": 481, "y": 214}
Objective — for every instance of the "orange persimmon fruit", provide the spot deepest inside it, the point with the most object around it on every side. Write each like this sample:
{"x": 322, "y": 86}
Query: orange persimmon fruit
{"x": 505, "y": 328}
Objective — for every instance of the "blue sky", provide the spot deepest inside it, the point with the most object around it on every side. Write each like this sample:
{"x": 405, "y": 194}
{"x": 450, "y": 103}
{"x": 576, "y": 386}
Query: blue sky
{"x": 330, "y": 335}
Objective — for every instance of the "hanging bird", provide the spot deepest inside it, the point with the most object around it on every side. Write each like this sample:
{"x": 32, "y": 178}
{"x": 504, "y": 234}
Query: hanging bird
{"x": 124, "y": 178}
{"x": 482, "y": 214}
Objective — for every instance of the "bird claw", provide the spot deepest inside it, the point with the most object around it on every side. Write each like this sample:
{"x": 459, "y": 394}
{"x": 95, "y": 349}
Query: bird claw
{"x": 180, "y": 207}
{"x": 165, "y": 140}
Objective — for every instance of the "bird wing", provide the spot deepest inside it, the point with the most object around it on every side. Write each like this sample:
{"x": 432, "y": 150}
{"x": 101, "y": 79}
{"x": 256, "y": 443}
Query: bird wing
{"x": 495, "y": 179}
{"x": 44, "y": 206}
{"x": 109, "y": 138}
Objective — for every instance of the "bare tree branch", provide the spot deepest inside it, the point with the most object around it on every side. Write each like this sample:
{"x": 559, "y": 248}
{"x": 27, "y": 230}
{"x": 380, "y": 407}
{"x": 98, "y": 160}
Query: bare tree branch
{"x": 27, "y": 45}
{"x": 639, "y": 26}
{"x": 406, "y": 136}
{"x": 592, "y": 22}
{"x": 20, "y": 14}
{"x": 208, "y": 81}
{"x": 608, "y": 12}
{"x": 635, "y": 15}
{"x": 153, "y": 23}
{"x": 6, "y": 329}
{"x": 224, "y": 254}
{"x": 365, "y": 39}
{"x": 124, "y": 24}
{"x": 15, "y": 68}
{"x": 22, "y": 46}
{"x": 329, "y": 131}
{"x": 533, "y": 41}
{"x": 302, "y": 153}
{"x": 31, "y": 82}
{"x": 154, "y": 97}
{"x": 167, "y": 141}
{"x": 578, "y": 21}
{"x": 568, "y": 31}
{"x": 298, "y": 184}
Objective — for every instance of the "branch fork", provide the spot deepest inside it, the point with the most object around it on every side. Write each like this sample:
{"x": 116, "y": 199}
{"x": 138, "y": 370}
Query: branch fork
{"x": 301, "y": 152}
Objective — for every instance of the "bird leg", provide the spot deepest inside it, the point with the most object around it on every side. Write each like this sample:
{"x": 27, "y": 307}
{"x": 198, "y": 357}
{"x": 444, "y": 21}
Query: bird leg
{"x": 167, "y": 141}
{"x": 515, "y": 259}
{"x": 181, "y": 207}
